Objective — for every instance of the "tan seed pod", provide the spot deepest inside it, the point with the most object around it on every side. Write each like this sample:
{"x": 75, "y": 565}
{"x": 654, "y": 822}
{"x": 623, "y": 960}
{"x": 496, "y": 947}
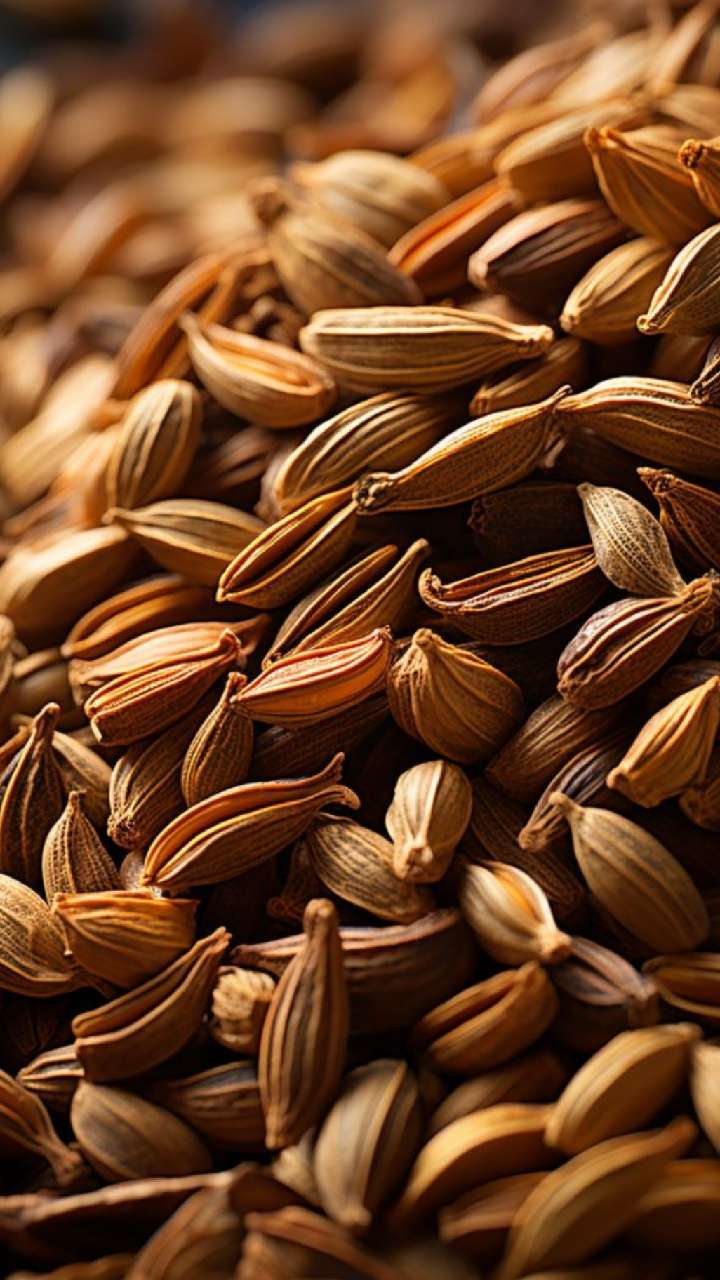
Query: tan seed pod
{"x": 642, "y": 181}
{"x": 457, "y": 704}
{"x": 31, "y": 801}
{"x": 535, "y": 1076}
{"x": 254, "y": 378}
{"x": 689, "y": 984}
{"x": 494, "y": 1143}
{"x": 704, "y": 1088}
{"x": 579, "y": 1208}
{"x": 521, "y": 601}
{"x": 423, "y": 349}
{"x": 222, "y": 1104}
{"x": 484, "y": 455}
{"x": 479, "y": 1222}
{"x": 156, "y": 445}
{"x": 275, "y": 1241}
{"x": 376, "y": 590}
{"x": 27, "y": 1130}
{"x": 194, "y": 538}
{"x": 679, "y": 1213}
{"x": 74, "y": 859}
{"x": 600, "y": 995}
{"x": 672, "y": 751}
{"x": 367, "y": 1142}
{"x": 389, "y": 430}
{"x": 684, "y": 300}
{"x": 143, "y": 702}
{"x": 290, "y": 556}
{"x": 688, "y": 514}
{"x": 123, "y": 936}
{"x": 124, "y": 1136}
{"x": 159, "y": 601}
{"x": 356, "y": 864}
{"x": 584, "y": 779}
{"x": 625, "y": 1084}
{"x": 322, "y": 260}
{"x": 635, "y": 878}
{"x": 238, "y": 829}
{"x": 316, "y": 683}
{"x": 430, "y": 810}
{"x": 510, "y": 915}
{"x": 623, "y": 645}
{"x": 381, "y": 194}
{"x": 605, "y": 304}
{"x": 630, "y": 544}
{"x": 701, "y": 159}
{"x": 60, "y": 578}
{"x": 52, "y": 1077}
{"x": 32, "y": 952}
{"x": 149, "y": 1024}
{"x": 489, "y": 1023}
{"x": 302, "y": 1045}
{"x": 218, "y": 756}
{"x": 564, "y": 364}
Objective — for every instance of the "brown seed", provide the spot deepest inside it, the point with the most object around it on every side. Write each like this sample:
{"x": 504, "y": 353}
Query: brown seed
{"x": 430, "y": 810}
{"x": 74, "y": 859}
{"x": 240, "y": 1003}
{"x": 222, "y": 1104}
{"x": 156, "y": 445}
{"x": 32, "y": 948}
{"x": 302, "y": 1046}
{"x": 600, "y": 995}
{"x": 123, "y": 936}
{"x": 688, "y": 514}
{"x": 218, "y": 755}
{"x": 189, "y": 536}
{"x": 124, "y": 1136}
{"x": 356, "y": 864}
{"x": 510, "y": 915}
{"x": 672, "y": 750}
{"x": 631, "y": 547}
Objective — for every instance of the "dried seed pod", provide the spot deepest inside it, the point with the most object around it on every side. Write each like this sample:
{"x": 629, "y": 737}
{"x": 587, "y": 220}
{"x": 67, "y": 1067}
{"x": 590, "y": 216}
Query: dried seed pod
{"x": 624, "y": 644}
{"x": 702, "y": 161}
{"x": 552, "y": 734}
{"x": 689, "y": 984}
{"x": 700, "y": 802}
{"x": 254, "y": 378}
{"x": 639, "y": 175}
{"x": 302, "y": 1045}
{"x": 684, "y": 300}
{"x": 541, "y": 253}
{"x": 521, "y": 601}
{"x": 656, "y": 419}
{"x": 434, "y": 252}
{"x": 605, "y": 304}
{"x": 579, "y": 1208}
{"x": 494, "y": 1143}
{"x": 240, "y": 1002}
{"x": 626, "y": 1083}
{"x": 394, "y": 973}
{"x": 322, "y": 260}
{"x": 302, "y": 750}
{"x": 240, "y": 828}
{"x": 144, "y": 701}
{"x": 635, "y": 878}
{"x": 484, "y": 455}
{"x": 32, "y": 953}
{"x": 291, "y": 555}
{"x": 688, "y": 514}
{"x": 293, "y": 1239}
{"x": 430, "y": 810}
{"x": 381, "y": 194}
{"x": 536, "y": 1076}
{"x": 510, "y": 915}
{"x": 61, "y": 578}
{"x": 389, "y": 430}
{"x": 631, "y": 547}
{"x": 74, "y": 859}
{"x": 31, "y": 800}
{"x": 367, "y": 1142}
{"x": 489, "y": 1023}
{"x": 124, "y": 1136}
{"x": 145, "y": 791}
{"x": 149, "y": 605}
{"x": 426, "y": 349}
{"x": 203, "y": 1233}
{"x": 222, "y": 1104}
{"x": 454, "y": 702}
{"x": 316, "y": 683}
{"x": 125, "y": 937}
{"x": 376, "y": 590}
{"x": 26, "y": 1129}
{"x": 479, "y": 1222}
{"x": 156, "y": 445}
{"x": 356, "y": 864}
{"x": 672, "y": 751}
{"x": 189, "y": 536}
{"x": 565, "y": 364}
{"x": 53, "y": 1077}
{"x": 152, "y": 1022}
{"x": 600, "y": 995}
{"x": 218, "y": 756}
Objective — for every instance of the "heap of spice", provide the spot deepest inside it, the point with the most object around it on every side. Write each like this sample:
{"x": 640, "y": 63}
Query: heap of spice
{"x": 360, "y": 646}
